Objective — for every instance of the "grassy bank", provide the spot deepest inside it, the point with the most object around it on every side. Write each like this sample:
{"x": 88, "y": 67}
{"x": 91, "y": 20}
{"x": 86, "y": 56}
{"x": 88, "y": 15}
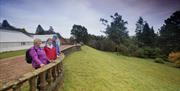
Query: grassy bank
{"x": 12, "y": 54}
{"x": 93, "y": 70}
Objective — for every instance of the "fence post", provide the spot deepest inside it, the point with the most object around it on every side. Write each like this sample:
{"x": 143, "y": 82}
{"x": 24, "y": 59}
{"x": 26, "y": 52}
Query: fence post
{"x": 54, "y": 73}
{"x": 61, "y": 66}
{"x": 57, "y": 70}
{"x": 17, "y": 87}
{"x": 50, "y": 78}
{"x": 42, "y": 78}
{"x": 32, "y": 84}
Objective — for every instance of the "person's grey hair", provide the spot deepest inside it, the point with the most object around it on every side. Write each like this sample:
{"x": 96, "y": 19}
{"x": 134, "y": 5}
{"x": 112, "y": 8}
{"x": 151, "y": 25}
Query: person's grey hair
{"x": 36, "y": 40}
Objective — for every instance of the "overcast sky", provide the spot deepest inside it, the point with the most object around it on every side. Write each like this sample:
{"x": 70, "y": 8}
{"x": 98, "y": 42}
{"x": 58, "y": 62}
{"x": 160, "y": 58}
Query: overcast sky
{"x": 63, "y": 14}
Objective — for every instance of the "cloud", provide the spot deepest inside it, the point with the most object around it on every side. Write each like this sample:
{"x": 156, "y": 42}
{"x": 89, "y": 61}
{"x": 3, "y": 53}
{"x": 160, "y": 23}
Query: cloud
{"x": 62, "y": 15}
{"x": 153, "y": 11}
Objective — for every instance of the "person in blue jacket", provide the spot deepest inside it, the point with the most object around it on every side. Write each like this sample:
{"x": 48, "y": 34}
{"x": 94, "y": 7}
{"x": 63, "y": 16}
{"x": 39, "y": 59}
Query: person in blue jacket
{"x": 56, "y": 43}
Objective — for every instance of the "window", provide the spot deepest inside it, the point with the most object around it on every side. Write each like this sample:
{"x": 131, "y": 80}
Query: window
{"x": 23, "y": 43}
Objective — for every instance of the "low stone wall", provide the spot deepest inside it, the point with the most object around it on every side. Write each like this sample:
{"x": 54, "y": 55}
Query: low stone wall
{"x": 69, "y": 50}
{"x": 48, "y": 78}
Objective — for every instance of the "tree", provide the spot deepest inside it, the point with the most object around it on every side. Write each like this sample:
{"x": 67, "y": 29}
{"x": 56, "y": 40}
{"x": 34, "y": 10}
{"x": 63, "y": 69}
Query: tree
{"x": 80, "y": 33}
{"x": 39, "y": 30}
{"x": 144, "y": 34}
{"x": 146, "y": 40}
{"x": 139, "y": 29}
{"x": 117, "y": 30}
{"x": 169, "y": 38}
{"x": 147, "y": 35}
{"x": 51, "y": 30}
{"x": 5, "y": 24}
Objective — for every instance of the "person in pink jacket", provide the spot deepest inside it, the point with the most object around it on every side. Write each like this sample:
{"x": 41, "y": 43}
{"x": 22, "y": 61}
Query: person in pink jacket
{"x": 38, "y": 55}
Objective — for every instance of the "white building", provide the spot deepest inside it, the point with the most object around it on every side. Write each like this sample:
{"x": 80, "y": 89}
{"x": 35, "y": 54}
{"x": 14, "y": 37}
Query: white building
{"x": 11, "y": 40}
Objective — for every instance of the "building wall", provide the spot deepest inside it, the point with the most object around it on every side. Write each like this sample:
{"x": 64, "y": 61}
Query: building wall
{"x": 11, "y": 40}
{"x": 13, "y": 46}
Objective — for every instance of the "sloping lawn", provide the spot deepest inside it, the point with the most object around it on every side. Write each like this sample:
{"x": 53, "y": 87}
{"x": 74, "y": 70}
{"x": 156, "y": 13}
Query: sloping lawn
{"x": 93, "y": 70}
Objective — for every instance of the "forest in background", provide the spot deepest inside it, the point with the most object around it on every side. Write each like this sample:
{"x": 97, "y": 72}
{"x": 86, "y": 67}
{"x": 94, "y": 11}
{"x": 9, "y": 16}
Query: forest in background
{"x": 163, "y": 45}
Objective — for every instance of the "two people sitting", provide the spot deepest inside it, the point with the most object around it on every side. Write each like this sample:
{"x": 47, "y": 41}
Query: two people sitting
{"x": 43, "y": 56}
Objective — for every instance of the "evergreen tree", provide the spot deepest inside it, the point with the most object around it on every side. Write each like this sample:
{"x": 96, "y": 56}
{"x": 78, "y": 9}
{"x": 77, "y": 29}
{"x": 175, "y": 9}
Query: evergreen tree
{"x": 139, "y": 30}
{"x": 145, "y": 35}
{"x": 39, "y": 30}
{"x": 169, "y": 39}
{"x": 5, "y": 24}
{"x": 117, "y": 30}
{"x": 51, "y": 30}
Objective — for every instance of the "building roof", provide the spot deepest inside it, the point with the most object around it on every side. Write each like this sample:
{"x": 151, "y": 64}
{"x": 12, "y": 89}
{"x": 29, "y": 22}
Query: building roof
{"x": 13, "y": 36}
{"x": 6, "y": 26}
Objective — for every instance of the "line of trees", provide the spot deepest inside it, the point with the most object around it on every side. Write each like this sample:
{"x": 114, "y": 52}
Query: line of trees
{"x": 145, "y": 43}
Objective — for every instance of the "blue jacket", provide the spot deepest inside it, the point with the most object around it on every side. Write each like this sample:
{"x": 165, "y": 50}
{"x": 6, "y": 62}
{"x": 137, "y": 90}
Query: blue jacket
{"x": 57, "y": 45}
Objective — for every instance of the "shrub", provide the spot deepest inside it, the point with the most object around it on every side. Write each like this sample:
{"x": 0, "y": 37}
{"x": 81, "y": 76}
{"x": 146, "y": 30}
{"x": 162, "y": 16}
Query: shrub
{"x": 159, "y": 60}
{"x": 133, "y": 50}
{"x": 104, "y": 44}
{"x": 175, "y": 57}
{"x": 148, "y": 52}
{"x": 122, "y": 49}
{"x": 107, "y": 45}
{"x": 94, "y": 44}
{"x": 139, "y": 53}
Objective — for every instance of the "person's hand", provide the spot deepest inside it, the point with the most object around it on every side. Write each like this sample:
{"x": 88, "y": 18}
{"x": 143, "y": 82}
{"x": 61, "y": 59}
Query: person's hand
{"x": 42, "y": 65}
{"x": 52, "y": 61}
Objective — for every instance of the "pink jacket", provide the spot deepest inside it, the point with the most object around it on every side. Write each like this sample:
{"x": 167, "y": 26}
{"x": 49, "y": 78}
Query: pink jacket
{"x": 38, "y": 57}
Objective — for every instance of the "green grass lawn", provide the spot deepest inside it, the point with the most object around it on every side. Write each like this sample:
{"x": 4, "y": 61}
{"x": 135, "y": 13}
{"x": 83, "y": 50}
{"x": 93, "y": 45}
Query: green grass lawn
{"x": 12, "y": 54}
{"x": 93, "y": 70}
